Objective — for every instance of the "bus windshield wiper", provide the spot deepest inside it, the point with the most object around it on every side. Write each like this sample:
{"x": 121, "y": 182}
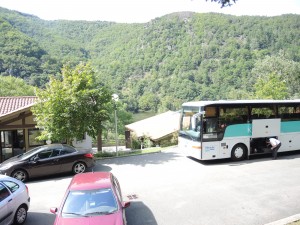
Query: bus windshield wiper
{"x": 189, "y": 135}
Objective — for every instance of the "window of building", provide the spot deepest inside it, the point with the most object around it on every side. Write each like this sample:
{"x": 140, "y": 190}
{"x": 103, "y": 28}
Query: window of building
{"x": 32, "y": 135}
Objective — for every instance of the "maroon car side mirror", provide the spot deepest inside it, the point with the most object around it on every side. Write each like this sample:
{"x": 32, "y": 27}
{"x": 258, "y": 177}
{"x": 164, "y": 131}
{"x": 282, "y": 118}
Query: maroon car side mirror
{"x": 125, "y": 204}
{"x": 53, "y": 210}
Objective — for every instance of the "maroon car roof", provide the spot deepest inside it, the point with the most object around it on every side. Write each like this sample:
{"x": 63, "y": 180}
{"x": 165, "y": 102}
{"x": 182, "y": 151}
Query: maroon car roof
{"x": 91, "y": 180}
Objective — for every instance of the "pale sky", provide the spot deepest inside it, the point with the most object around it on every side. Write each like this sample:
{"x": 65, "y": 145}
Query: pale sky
{"x": 140, "y": 11}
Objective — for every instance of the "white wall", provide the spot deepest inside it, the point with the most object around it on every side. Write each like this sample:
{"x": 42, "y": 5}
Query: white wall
{"x": 83, "y": 144}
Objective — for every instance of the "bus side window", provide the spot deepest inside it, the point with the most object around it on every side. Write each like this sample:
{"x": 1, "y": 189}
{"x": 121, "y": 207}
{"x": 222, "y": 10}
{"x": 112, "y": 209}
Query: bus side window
{"x": 211, "y": 125}
{"x": 222, "y": 126}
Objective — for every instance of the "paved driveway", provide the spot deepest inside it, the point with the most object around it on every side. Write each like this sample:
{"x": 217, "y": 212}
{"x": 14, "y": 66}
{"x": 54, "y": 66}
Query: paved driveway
{"x": 170, "y": 189}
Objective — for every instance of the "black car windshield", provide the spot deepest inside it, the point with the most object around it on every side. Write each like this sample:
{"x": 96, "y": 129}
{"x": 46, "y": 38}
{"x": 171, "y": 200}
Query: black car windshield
{"x": 32, "y": 152}
{"x": 89, "y": 203}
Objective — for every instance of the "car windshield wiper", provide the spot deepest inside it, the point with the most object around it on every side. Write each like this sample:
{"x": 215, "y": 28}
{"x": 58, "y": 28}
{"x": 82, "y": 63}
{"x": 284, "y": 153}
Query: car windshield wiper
{"x": 101, "y": 213}
{"x": 75, "y": 214}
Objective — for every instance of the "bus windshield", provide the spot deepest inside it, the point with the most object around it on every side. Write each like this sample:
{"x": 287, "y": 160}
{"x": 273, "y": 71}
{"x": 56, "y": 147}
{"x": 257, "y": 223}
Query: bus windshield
{"x": 191, "y": 121}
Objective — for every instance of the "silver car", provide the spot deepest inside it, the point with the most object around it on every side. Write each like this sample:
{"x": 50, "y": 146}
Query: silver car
{"x": 14, "y": 201}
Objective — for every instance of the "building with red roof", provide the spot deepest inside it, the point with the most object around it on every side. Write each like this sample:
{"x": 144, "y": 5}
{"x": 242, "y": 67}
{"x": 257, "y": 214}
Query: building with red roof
{"x": 18, "y": 130}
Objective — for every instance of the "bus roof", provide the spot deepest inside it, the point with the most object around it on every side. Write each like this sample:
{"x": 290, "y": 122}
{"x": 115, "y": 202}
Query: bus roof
{"x": 240, "y": 102}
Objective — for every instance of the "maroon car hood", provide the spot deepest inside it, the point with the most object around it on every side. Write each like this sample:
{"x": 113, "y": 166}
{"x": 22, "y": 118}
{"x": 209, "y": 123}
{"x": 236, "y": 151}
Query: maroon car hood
{"x": 112, "y": 219}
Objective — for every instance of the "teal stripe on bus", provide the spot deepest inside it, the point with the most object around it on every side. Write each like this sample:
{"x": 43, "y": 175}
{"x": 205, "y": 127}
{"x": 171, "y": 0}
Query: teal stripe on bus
{"x": 290, "y": 126}
{"x": 238, "y": 130}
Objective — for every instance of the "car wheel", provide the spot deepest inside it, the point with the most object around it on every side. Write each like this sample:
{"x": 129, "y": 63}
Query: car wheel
{"x": 20, "y": 175}
{"x": 21, "y": 215}
{"x": 238, "y": 152}
{"x": 79, "y": 167}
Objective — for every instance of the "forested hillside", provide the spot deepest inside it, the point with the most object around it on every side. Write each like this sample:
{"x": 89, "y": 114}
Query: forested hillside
{"x": 160, "y": 64}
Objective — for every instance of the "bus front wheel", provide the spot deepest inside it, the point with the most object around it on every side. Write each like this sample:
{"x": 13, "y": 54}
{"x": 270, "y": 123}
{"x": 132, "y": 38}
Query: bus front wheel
{"x": 238, "y": 152}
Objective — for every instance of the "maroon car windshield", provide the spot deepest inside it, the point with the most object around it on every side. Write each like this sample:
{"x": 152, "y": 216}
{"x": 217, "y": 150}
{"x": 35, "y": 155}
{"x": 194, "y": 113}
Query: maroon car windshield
{"x": 90, "y": 202}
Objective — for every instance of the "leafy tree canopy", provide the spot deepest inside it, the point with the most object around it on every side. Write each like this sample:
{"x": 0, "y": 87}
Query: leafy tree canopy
{"x": 12, "y": 86}
{"x": 224, "y": 2}
{"x": 287, "y": 71}
{"x": 271, "y": 87}
{"x": 68, "y": 108}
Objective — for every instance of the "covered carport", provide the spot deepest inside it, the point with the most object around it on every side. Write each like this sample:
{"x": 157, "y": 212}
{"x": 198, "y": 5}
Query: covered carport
{"x": 17, "y": 126}
{"x": 158, "y": 128}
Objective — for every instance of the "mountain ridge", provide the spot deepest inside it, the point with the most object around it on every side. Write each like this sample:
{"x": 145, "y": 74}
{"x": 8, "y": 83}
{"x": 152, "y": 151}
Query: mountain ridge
{"x": 157, "y": 65}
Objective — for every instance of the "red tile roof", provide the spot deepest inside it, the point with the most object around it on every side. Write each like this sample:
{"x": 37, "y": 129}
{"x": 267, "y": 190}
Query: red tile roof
{"x": 11, "y": 104}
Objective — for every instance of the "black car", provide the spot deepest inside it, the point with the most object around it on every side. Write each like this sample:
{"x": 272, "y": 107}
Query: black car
{"x": 47, "y": 159}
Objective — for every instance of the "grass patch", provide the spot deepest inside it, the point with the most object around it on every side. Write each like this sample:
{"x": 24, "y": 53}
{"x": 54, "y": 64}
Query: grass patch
{"x": 102, "y": 155}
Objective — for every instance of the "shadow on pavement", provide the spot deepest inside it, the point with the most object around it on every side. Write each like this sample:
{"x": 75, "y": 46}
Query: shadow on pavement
{"x": 142, "y": 160}
{"x": 36, "y": 218}
{"x": 100, "y": 167}
{"x": 136, "y": 214}
{"x": 62, "y": 176}
{"x": 55, "y": 177}
{"x": 252, "y": 159}
{"x": 139, "y": 214}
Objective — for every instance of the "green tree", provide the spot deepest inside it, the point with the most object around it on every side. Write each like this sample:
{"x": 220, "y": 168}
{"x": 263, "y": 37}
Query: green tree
{"x": 240, "y": 93}
{"x": 271, "y": 87}
{"x": 287, "y": 69}
{"x": 11, "y": 86}
{"x": 224, "y": 2}
{"x": 148, "y": 101}
{"x": 123, "y": 117}
{"x": 77, "y": 104}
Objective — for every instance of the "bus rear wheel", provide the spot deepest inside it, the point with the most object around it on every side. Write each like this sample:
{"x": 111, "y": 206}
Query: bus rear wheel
{"x": 238, "y": 152}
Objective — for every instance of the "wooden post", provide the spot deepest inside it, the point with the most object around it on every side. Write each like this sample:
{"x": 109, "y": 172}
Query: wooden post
{"x": 99, "y": 141}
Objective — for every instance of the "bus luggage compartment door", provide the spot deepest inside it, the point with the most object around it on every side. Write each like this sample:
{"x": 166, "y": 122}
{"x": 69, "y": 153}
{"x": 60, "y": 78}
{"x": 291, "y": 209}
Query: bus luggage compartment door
{"x": 265, "y": 127}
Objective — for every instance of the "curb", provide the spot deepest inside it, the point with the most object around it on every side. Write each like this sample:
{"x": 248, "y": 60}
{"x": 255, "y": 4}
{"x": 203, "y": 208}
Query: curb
{"x": 286, "y": 220}
{"x": 122, "y": 156}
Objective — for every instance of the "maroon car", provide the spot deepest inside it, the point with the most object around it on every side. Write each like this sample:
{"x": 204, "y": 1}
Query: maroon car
{"x": 46, "y": 160}
{"x": 92, "y": 198}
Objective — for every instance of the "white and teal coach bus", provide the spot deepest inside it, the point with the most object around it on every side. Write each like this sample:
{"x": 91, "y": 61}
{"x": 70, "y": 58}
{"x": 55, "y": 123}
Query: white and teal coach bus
{"x": 237, "y": 129}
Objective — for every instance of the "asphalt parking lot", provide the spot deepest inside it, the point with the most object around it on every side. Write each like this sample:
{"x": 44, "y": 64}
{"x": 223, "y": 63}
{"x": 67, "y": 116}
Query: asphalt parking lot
{"x": 170, "y": 189}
